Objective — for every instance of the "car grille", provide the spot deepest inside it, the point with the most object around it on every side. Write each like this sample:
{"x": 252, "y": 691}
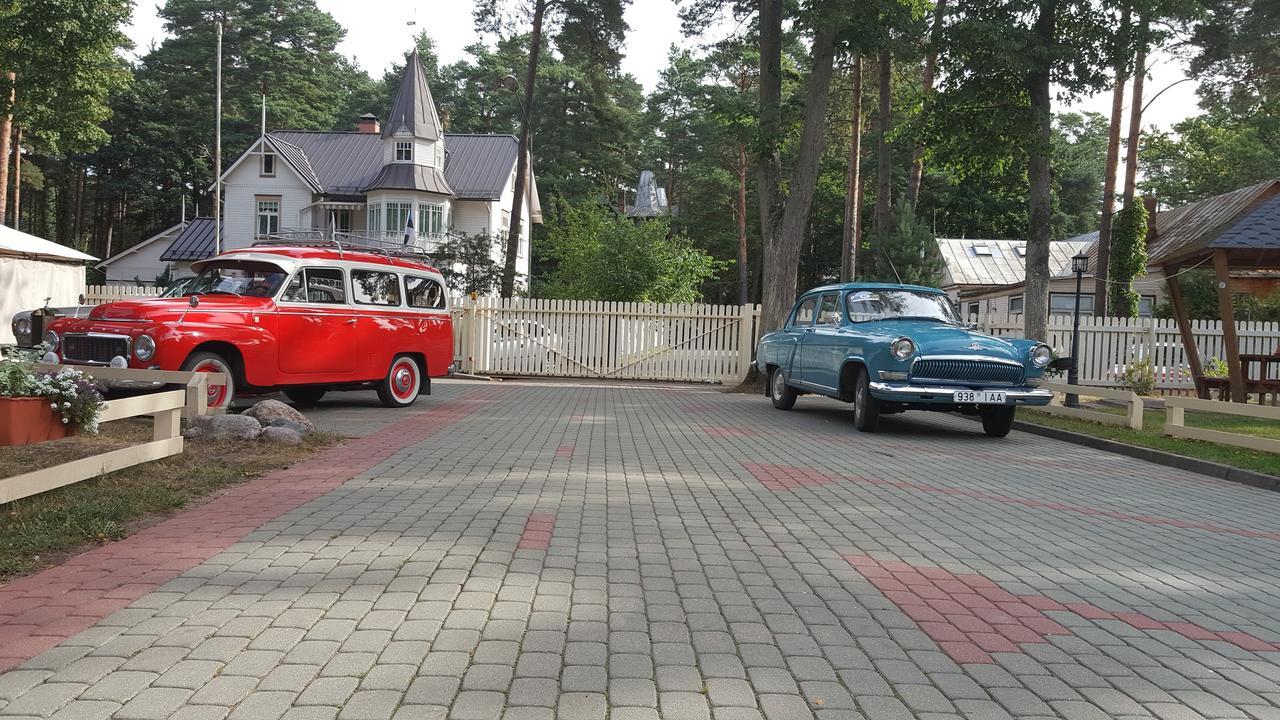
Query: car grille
{"x": 978, "y": 372}
{"x": 94, "y": 348}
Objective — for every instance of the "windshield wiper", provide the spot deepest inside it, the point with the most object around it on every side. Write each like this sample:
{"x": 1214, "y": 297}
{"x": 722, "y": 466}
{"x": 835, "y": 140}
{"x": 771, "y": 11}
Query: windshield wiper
{"x": 224, "y": 292}
{"x": 925, "y": 317}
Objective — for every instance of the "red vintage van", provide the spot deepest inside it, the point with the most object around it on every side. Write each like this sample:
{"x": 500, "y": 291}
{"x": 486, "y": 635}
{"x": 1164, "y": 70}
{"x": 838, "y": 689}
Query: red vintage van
{"x": 297, "y": 318}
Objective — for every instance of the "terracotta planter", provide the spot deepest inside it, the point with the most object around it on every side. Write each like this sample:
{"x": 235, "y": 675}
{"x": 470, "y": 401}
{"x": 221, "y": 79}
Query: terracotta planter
{"x": 30, "y": 420}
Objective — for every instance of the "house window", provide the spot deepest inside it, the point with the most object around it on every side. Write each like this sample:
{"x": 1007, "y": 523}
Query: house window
{"x": 404, "y": 151}
{"x": 506, "y": 222}
{"x": 973, "y": 310}
{"x": 1065, "y": 303}
{"x": 1015, "y": 305}
{"x": 431, "y": 218}
{"x": 268, "y": 216}
{"x": 342, "y": 220}
{"x": 1146, "y": 305}
{"x": 374, "y": 217}
{"x": 268, "y": 164}
{"x": 397, "y": 216}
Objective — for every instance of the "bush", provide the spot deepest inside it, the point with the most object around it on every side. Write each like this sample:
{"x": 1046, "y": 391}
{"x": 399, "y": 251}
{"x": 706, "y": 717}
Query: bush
{"x": 1216, "y": 368}
{"x": 70, "y": 392}
{"x": 1140, "y": 377}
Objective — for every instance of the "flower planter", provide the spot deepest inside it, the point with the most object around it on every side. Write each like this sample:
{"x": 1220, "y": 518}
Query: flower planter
{"x": 30, "y": 420}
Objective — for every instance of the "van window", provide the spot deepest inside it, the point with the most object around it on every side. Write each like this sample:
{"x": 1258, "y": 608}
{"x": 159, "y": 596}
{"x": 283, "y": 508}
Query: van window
{"x": 372, "y": 287}
{"x": 423, "y": 292}
{"x": 323, "y": 286}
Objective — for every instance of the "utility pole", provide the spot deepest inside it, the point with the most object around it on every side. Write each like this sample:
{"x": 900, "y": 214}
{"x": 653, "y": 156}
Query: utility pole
{"x": 217, "y": 150}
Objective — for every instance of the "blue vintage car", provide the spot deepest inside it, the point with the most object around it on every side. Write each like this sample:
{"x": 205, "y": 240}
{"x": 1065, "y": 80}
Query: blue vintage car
{"x": 889, "y": 348}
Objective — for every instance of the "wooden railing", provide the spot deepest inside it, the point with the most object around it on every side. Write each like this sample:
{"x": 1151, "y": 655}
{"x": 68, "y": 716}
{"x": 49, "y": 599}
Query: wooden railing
{"x": 1132, "y": 401}
{"x": 165, "y": 409}
{"x": 1175, "y": 422}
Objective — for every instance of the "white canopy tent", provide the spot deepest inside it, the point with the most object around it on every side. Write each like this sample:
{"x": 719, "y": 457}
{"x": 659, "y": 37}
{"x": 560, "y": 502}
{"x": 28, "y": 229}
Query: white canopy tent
{"x": 32, "y": 269}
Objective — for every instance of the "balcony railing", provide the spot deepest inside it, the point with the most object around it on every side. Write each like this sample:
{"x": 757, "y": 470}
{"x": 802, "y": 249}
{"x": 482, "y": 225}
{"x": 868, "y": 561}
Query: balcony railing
{"x": 426, "y": 243}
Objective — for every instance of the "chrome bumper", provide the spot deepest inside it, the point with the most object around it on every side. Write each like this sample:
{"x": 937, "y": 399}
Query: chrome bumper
{"x": 899, "y": 392}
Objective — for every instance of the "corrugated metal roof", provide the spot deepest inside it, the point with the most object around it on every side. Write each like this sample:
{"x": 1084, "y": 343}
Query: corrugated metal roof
{"x": 195, "y": 242}
{"x": 1186, "y": 232}
{"x": 413, "y": 110}
{"x": 999, "y": 262}
{"x": 404, "y": 176}
{"x": 479, "y": 166}
{"x": 297, "y": 159}
{"x": 344, "y": 162}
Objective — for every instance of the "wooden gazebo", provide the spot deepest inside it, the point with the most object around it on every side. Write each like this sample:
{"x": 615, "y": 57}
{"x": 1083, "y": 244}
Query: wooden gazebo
{"x": 1237, "y": 234}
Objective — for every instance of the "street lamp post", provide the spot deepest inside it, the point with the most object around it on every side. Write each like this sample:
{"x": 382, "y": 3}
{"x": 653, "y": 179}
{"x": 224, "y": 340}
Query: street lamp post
{"x": 1080, "y": 266}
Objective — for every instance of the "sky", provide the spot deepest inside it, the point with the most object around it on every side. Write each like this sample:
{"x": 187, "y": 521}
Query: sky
{"x": 379, "y": 33}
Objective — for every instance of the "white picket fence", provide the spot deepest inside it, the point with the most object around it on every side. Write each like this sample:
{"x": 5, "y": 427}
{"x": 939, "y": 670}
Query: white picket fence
{"x": 714, "y": 343}
{"x": 1109, "y": 345}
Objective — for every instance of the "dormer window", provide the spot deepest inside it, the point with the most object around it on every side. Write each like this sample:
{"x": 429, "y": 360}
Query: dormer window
{"x": 268, "y": 164}
{"x": 982, "y": 250}
{"x": 404, "y": 151}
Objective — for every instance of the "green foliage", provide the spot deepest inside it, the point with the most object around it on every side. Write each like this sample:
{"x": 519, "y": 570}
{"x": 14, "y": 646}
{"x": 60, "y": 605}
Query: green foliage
{"x": 1200, "y": 292}
{"x": 598, "y": 255}
{"x": 1140, "y": 377}
{"x": 71, "y": 393}
{"x": 1216, "y": 368}
{"x": 1128, "y": 259}
{"x": 467, "y": 263}
{"x": 910, "y": 249}
{"x": 1211, "y": 154}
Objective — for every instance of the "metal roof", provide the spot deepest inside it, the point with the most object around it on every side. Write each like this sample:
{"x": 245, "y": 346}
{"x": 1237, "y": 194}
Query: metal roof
{"x": 479, "y": 166}
{"x": 195, "y": 242}
{"x": 971, "y": 262}
{"x": 344, "y": 163}
{"x": 1187, "y": 232}
{"x": 297, "y": 159}
{"x": 413, "y": 111}
{"x": 406, "y": 176}
{"x": 651, "y": 200}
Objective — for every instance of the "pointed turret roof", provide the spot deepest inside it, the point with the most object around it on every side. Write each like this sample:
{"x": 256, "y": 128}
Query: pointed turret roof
{"x": 413, "y": 110}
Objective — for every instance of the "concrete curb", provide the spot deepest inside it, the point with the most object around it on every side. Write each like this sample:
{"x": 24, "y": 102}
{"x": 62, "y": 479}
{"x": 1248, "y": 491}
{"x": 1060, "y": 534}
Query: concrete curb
{"x": 1181, "y": 462}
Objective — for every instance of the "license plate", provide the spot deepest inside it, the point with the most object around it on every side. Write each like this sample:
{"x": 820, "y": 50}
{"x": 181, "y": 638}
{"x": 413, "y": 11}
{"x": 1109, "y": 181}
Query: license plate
{"x": 980, "y": 397}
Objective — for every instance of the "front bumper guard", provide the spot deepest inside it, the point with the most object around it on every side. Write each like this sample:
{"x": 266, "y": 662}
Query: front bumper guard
{"x": 903, "y": 392}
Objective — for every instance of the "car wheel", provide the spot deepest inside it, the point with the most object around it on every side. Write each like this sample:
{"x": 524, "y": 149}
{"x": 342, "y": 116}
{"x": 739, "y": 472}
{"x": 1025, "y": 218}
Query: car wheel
{"x": 400, "y": 387}
{"x": 782, "y": 395}
{"x": 219, "y": 396}
{"x": 997, "y": 421}
{"x": 305, "y": 397}
{"x": 866, "y": 409}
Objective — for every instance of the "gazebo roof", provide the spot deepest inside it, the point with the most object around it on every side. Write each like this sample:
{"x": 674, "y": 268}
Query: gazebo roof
{"x": 1243, "y": 219}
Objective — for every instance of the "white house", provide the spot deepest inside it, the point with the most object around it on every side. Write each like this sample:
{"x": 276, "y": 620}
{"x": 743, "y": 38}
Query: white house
{"x": 141, "y": 263}
{"x": 371, "y": 185}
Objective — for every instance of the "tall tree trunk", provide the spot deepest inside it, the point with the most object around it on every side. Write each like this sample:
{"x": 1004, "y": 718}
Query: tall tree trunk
{"x": 740, "y": 209}
{"x": 782, "y": 259}
{"x": 853, "y": 181}
{"x": 1135, "y": 111}
{"x": 1113, "y": 162}
{"x": 769, "y": 160}
{"x": 930, "y": 67}
{"x": 1039, "y": 174}
{"x": 522, "y": 159}
{"x": 77, "y": 225}
{"x": 883, "y": 217}
{"x": 17, "y": 178}
{"x": 6, "y": 133}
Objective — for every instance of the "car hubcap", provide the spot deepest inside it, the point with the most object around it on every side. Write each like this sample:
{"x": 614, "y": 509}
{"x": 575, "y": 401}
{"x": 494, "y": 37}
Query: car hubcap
{"x": 778, "y": 382}
{"x": 217, "y": 394}
{"x": 402, "y": 381}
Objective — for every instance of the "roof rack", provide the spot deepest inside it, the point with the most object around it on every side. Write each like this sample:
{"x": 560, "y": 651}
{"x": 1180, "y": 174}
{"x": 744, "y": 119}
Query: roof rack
{"x": 368, "y": 246}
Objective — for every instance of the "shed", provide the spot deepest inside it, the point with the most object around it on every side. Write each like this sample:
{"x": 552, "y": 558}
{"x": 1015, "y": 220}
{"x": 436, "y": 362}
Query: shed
{"x": 32, "y": 269}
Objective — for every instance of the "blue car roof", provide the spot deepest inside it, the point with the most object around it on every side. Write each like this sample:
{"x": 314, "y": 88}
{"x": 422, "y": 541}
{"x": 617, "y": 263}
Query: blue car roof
{"x": 875, "y": 286}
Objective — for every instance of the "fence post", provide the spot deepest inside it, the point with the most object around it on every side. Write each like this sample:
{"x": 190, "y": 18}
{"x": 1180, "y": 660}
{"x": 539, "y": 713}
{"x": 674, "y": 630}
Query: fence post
{"x": 471, "y": 334}
{"x": 746, "y": 321}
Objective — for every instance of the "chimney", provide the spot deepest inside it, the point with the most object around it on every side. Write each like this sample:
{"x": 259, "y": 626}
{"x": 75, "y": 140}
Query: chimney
{"x": 1151, "y": 203}
{"x": 368, "y": 123}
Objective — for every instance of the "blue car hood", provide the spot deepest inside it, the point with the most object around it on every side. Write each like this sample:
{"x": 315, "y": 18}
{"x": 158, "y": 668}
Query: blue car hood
{"x": 935, "y": 338}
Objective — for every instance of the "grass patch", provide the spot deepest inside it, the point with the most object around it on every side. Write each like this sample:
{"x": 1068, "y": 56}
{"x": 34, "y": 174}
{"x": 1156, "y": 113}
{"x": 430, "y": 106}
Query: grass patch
{"x": 1152, "y": 435}
{"x": 39, "y": 531}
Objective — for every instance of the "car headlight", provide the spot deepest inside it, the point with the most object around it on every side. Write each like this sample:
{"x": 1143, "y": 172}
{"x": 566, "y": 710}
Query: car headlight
{"x": 144, "y": 347}
{"x": 1041, "y": 355}
{"x": 51, "y": 339}
{"x": 902, "y": 348}
{"x": 22, "y": 327}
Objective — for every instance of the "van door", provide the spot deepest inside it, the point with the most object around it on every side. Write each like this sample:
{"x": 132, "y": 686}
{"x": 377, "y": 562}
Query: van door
{"x": 317, "y": 326}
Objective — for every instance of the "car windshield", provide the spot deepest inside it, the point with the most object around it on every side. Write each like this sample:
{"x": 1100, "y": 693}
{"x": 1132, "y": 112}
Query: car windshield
{"x": 871, "y": 305}
{"x": 254, "y": 279}
{"x": 177, "y": 288}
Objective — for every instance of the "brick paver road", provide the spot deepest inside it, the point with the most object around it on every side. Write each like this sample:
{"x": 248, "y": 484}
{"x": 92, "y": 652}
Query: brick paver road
{"x": 548, "y": 550}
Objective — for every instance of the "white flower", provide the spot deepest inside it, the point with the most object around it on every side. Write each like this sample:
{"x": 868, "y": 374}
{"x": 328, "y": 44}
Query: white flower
{"x": 53, "y": 405}
{"x": 64, "y": 421}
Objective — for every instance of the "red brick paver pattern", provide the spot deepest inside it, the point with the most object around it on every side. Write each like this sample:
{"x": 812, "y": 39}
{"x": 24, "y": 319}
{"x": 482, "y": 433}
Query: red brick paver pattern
{"x": 537, "y": 531}
{"x": 39, "y": 611}
{"x": 786, "y": 477}
{"x": 970, "y": 616}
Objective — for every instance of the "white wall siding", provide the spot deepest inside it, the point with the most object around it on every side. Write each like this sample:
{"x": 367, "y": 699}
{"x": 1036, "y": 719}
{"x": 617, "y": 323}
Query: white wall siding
{"x": 140, "y": 265}
{"x": 239, "y": 204}
{"x": 470, "y": 217}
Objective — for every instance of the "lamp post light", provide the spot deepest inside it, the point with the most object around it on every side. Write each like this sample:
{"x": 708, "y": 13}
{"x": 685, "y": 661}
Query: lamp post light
{"x": 1080, "y": 266}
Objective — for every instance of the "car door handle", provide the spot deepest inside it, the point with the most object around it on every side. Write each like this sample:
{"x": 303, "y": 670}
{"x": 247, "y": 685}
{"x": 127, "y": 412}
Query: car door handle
{"x": 352, "y": 321}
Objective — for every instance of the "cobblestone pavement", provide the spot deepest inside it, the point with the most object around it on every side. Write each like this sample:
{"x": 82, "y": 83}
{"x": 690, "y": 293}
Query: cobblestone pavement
{"x": 548, "y": 550}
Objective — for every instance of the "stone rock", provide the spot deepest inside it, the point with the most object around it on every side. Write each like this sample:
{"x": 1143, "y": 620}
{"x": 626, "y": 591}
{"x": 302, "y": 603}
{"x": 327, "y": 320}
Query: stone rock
{"x": 283, "y": 435}
{"x": 227, "y": 427}
{"x": 194, "y": 431}
{"x": 269, "y": 410}
{"x": 290, "y": 424}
